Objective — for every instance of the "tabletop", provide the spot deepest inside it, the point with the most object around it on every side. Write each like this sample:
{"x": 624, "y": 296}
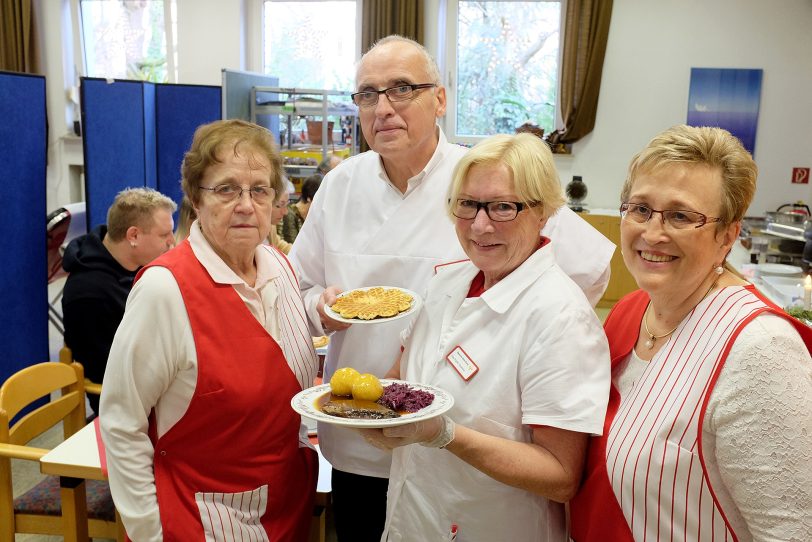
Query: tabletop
{"x": 78, "y": 456}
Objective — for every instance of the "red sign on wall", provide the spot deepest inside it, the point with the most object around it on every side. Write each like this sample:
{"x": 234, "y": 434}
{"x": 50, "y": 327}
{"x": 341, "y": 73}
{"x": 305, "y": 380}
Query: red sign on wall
{"x": 800, "y": 175}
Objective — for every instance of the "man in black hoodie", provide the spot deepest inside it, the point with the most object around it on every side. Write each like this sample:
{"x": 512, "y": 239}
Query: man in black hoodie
{"x": 101, "y": 266}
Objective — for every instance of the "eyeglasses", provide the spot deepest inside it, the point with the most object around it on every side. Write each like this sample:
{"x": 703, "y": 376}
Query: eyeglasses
{"x": 400, "y": 93}
{"x": 498, "y": 211}
{"x": 677, "y": 219}
{"x": 227, "y": 193}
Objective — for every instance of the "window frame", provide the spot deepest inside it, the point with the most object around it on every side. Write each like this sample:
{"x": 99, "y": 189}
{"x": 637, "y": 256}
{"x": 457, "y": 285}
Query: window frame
{"x": 447, "y": 62}
{"x": 256, "y": 31}
{"x": 80, "y": 60}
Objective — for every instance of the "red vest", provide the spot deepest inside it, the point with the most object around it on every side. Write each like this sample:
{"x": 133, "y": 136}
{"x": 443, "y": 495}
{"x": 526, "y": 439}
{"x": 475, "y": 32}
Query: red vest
{"x": 595, "y": 511}
{"x": 231, "y": 467}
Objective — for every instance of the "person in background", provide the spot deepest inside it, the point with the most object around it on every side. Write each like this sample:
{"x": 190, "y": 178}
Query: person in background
{"x": 278, "y": 213}
{"x": 186, "y": 215}
{"x": 511, "y": 450}
{"x": 708, "y": 434}
{"x": 379, "y": 218}
{"x": 326, "y": 165}
{"x": 101, "y": 266}
{"x": 292, "y": 221}
{"x": 200, "y": 437}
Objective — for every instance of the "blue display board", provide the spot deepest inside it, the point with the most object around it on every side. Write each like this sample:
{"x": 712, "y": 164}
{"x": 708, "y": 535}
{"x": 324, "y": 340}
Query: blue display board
{"x": 136, "y": 133}
{"x": 23, "y": 281}
{"x": 179, "y": 110}
{"x": 115, "y": 139}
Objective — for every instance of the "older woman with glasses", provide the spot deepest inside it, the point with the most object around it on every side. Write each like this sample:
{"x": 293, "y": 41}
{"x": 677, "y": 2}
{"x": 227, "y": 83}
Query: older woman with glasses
{"x": 195, "y": 410}
{"x": 708, "y": 434}
{"x": 517, "y": 344}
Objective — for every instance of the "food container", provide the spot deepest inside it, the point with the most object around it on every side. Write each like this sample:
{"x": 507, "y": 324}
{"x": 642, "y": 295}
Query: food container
{"x": 789, "y": 219}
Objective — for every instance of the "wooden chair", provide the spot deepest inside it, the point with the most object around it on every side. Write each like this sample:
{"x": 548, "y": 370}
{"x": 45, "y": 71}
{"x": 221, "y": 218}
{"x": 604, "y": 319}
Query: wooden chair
{"x": 39, "y": 510}
{"x": 66, "y": 356}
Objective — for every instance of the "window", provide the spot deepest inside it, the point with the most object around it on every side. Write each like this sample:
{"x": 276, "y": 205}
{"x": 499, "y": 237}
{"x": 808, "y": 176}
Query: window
{"x": 130, "y": 39}
{"x": 503, "y": 61}
{"x": 311, "y": 44}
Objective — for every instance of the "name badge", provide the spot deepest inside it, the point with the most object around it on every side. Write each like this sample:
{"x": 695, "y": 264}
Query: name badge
{"x": 462, "y": 363}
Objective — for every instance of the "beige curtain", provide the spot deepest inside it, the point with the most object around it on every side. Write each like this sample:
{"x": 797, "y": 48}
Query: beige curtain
{"x": 585, "y": 33}
{"x": 384, "y": 17}
{"x": 18, "y": 38}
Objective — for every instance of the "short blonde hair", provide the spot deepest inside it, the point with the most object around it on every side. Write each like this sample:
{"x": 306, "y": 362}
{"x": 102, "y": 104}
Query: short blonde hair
{"x": 702, "y": 146}
{"x": 135, "y": 207}
{"x": 530, "y": 162}
{"x": 223, "y": 135}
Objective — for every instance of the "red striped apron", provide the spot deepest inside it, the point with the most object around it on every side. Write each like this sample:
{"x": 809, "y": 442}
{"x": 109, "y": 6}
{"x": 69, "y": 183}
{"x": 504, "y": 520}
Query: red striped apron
{"x": 646, "y": 478}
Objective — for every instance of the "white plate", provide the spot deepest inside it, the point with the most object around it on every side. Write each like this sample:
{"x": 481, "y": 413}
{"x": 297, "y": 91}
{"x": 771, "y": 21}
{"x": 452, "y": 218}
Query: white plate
{"x": 304, "y": 403}
{"x": 416, "y": 302}
{"x": 778, "y": 269}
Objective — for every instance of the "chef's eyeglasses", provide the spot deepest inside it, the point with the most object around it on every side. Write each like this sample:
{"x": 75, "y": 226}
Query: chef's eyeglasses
{"x": 400, "y": 93}
{"x": 498, "y": 211}
{"x": 678, "y": 219}
{"x": 228, "y": 193}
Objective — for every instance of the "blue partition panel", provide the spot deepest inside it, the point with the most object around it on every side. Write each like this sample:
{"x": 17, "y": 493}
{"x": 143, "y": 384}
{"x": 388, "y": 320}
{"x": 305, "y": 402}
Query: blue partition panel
{"x": 150, "y": 162}
{"x": 115, "y": 140}
{"x": 23, "y": 280}
{"x": 179, "y": 110}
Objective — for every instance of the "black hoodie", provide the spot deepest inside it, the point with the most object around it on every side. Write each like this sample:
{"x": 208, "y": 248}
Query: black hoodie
{"x": 93, "y": 302}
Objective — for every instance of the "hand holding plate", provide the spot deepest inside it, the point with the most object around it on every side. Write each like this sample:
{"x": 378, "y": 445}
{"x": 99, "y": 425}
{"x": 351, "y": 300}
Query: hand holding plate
{"x": 328, "y": 297}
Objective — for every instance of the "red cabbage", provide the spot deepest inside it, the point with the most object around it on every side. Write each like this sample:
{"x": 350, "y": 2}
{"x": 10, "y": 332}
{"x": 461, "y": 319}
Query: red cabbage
{"x": 404, "y": 398}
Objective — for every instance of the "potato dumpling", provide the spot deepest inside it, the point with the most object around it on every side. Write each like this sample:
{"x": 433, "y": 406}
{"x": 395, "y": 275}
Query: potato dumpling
{"x": 367, "y": 387}
{"x": 342, "y": 381}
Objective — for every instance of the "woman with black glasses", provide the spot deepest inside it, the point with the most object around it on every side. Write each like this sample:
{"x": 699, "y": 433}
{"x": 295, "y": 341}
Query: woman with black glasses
{"x": 708, "y": 434}
{"x": 517, "y": 344}
{"x": 201, "y": 440}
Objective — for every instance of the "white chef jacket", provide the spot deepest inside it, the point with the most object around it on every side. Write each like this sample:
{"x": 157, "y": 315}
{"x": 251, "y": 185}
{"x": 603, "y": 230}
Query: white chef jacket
{"x": 162, "y": 372}
{"x": 543, "y": 359}
{"x": 362, "y": 231}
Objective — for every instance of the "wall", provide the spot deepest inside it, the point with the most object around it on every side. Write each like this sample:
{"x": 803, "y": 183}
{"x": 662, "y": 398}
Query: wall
{"x": 210, "y": 38}
{"x": 652, "y": 47}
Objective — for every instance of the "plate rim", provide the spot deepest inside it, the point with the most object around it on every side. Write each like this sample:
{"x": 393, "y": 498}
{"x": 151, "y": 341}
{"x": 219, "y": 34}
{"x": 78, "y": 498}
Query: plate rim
{"x": 313, "y": 391}
{"x": 416, "y": 303}
{"x": 779, "y": 268}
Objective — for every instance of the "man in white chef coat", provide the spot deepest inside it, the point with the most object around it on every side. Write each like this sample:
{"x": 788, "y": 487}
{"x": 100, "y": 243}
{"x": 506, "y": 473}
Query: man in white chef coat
{"x": 379, "y": 219}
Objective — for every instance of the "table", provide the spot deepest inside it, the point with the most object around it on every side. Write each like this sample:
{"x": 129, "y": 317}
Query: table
{"x": 77, "y": 459}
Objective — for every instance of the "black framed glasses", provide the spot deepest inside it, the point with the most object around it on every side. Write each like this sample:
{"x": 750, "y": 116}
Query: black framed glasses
{"x": 498, "y": 211}
{"x": 400, "y": 93}
{"x": 228, "y": 193}
{"x": 677, "y": 219}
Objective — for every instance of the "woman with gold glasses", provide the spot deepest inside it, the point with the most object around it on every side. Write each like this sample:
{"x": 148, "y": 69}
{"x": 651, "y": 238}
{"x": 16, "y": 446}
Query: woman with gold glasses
{"x": 200, "y": 437}
{"x": 708, "y": 434}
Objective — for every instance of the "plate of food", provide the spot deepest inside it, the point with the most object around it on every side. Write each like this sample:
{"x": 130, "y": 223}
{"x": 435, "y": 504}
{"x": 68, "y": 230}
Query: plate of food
{"x": 399, "y": 403}
{"x": 373, "y": 305}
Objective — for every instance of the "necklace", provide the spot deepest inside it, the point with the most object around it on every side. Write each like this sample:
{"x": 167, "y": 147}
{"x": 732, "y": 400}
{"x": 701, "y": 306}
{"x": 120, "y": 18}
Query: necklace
{"x": 652, "y": 338}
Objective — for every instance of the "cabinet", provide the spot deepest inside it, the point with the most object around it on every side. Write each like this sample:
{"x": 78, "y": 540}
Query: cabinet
{"x": 621, "y": 281}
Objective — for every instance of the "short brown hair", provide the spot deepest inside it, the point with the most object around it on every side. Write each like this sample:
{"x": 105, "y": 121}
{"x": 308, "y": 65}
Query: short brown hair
{"x": 210, "y": 139}
{"x": 702, "y": 146}
{"x": 135, "y": 207}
